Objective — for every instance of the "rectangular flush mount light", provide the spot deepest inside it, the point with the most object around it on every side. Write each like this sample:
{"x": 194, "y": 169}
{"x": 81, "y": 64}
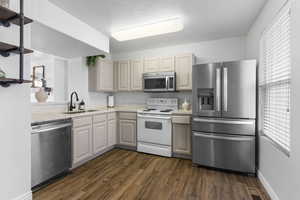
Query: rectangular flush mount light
{"x": 147, "y": 30}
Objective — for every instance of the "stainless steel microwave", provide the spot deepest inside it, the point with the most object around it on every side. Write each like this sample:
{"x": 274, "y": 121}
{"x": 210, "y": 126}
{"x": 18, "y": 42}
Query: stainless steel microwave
{"x": 159, "y": 82}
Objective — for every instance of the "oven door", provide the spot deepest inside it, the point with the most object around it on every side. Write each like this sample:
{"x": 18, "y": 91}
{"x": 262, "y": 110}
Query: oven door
{"x": 154, "y": 129}
{"x": 155, "y": 84}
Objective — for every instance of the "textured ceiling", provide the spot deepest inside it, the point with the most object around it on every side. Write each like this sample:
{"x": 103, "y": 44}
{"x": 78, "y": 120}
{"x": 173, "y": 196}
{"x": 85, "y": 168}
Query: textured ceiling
{"x": 203, "y": 19}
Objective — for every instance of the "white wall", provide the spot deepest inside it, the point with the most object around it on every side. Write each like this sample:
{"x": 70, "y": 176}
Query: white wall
{"x": 78, "y": 81}
{"x": 15, "y": 119}
{"x": 209, "y": 51}
{"x": 56, "y": 18}
{"x": 278, "y": 170}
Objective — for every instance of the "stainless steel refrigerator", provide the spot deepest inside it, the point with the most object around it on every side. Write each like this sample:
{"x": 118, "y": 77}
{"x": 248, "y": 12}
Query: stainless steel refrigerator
{"x": 224, "y": 115}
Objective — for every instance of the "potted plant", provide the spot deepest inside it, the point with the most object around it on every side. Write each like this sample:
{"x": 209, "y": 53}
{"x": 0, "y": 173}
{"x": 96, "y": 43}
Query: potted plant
{"x": 92, "y": 60}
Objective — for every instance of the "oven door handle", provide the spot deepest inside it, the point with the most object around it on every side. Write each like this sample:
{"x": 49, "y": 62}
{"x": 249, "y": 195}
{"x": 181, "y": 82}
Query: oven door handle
{"x": 154, "y": 117}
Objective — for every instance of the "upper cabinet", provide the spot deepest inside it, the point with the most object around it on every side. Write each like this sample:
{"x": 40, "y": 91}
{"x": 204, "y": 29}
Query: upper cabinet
{"x": 101, "y": 76}
{"x": 183, "y": 68}
{"x": 136, "y": 68}
{"x": 167, "y": 64}
{"x": 124, "y": 76}
{"x": 151, "y": 64}
{"x": 162, "y": 64}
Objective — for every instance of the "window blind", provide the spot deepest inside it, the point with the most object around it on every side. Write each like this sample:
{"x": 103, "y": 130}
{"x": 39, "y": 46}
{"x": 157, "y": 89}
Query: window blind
{"x": 275, "y": 84}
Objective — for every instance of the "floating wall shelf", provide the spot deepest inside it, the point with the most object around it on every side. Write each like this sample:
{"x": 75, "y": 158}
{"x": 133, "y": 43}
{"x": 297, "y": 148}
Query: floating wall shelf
{"x": 6, "y": 49}
{"x": 7, "y": 17}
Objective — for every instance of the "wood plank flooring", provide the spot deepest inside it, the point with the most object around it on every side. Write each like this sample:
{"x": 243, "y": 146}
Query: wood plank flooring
{"x": 121, "y": 174}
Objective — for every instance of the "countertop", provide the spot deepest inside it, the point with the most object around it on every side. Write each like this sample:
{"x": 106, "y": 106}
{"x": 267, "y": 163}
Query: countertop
{"x": 38, "y": 117}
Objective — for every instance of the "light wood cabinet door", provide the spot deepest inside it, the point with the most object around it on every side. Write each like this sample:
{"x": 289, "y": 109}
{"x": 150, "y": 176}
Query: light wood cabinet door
{"x": 106, "y": 76}
{"x": 101, "y": 76}
{"x": 182, "y": 139}
{"x": 99, "y": 137}
{"x": 82, "y": 143}
{"x": 167, "y": 64}
{"x": 151, "y": 64}
{"x": 124, "y": 76}
{"x": 127, "y": 132}
{"x": 115, "y": 66}
{"x": 183, "y": 69}
{"x": 136, "y": 68}
{"x": 112, "y": 132}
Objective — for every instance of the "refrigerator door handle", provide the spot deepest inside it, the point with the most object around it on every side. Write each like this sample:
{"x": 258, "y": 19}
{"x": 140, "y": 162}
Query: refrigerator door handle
{"x": 218, "y": 89}
{"x": 223, "y": 137}
{"x": 235, "y": 122}
{"x": 225, "y": 89}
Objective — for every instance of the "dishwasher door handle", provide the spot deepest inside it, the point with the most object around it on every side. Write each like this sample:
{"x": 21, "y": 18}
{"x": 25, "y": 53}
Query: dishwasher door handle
{"x": 50, "y": 128}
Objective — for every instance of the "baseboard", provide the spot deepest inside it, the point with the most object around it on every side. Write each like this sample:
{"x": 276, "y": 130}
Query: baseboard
{"x": 267, "y": 186}
{"x": 26, "y": 196}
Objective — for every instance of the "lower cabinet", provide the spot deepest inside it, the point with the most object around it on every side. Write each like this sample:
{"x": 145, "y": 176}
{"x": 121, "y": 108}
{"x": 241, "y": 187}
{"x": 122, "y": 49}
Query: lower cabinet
{"x": 82, "y": 139}
{"x": 127, "y": 129}
{"x": 181, "y": 135}
{"x": 112, "y": 129}
{"x": 92, "y": 136}
{"x": 99, "y": 133}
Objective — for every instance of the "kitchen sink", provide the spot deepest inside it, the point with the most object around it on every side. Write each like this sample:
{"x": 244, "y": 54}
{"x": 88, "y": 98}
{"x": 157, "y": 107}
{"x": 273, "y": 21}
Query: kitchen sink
{"x": 79, "y": 111}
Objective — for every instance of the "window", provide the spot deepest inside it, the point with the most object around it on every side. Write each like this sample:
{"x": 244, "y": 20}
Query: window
{"x": 275, "y": 85}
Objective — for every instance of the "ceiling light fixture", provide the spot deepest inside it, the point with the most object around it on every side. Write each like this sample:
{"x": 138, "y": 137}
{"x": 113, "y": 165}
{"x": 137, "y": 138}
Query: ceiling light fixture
{"x": 146, "y": 30}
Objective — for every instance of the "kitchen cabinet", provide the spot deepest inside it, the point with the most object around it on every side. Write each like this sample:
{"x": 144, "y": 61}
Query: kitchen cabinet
{"x": 127, "y": 129}
{"x": 167, "y": 64}
{"x": 151, "y": 64}
{"x": 181, "y": 135}
{"x": 112, "y": 129}
{"x": 100, "y": 140}
{"x": 161, "y": 64}
{"x": 101, "y": 76}
{"x": 115, "y": 66}
{"x": 136, "y": 69}
{"x": 123, "y": 75}
{"x": 82, "y": 139}
{"x": 183, "y": 68}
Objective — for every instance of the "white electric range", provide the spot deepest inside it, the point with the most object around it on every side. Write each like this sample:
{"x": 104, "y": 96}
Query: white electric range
{"x": 154, "y": 128}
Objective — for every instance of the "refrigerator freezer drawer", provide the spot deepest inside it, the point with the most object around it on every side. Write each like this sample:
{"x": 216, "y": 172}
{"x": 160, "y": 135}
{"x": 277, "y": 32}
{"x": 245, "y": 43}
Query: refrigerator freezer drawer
{"x": 219, "y": 125}
{"x": 235, "y": 153}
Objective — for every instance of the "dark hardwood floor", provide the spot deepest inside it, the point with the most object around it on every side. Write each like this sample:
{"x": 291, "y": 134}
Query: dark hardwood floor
{"x": 121, "y": 174}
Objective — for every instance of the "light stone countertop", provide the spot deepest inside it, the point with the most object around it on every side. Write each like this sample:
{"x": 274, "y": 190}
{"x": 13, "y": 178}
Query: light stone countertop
{"x": 38, "y": 117}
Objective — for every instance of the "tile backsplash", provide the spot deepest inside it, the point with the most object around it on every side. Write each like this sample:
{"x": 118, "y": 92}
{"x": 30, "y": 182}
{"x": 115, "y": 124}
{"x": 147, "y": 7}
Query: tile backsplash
{"x": 139, "y": 98}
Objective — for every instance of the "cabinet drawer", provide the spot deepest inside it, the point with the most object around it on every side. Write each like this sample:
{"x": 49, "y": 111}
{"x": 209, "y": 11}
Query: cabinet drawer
{"x": 181, "y": 119}
{"x": 99, "y": 118}
{"x": 127, "y": 115}
{"x": 82, "y": 121}
{"x": 111, "y": 116}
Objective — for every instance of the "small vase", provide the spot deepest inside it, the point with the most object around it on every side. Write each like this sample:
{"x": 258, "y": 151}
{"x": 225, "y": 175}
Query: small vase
{"x": 2, "y": 73}
{"x": 41, "y": 95}
{"x": 4, "y": 3}
{"x": 185, "y": 105}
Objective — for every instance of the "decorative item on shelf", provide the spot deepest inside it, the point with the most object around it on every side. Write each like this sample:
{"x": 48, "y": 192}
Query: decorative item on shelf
{"x": 92, "y": 60}
{"x": 41, "y": 95}
{"x": 4, "y": 3}
{"x": 81, "y": 105}
{"x": 2, "y": 73}
{"x": 186, "y": 105}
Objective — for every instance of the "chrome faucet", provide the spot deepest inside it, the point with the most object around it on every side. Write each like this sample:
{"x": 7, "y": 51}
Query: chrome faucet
{"x": 72, "y": 107}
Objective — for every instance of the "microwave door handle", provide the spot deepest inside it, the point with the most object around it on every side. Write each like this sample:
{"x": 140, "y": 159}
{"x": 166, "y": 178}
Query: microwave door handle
{"x": 167, "y": 83}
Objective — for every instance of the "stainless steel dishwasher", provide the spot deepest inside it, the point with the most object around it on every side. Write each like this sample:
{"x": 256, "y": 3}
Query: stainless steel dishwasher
{"x": 50, "y": 150}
